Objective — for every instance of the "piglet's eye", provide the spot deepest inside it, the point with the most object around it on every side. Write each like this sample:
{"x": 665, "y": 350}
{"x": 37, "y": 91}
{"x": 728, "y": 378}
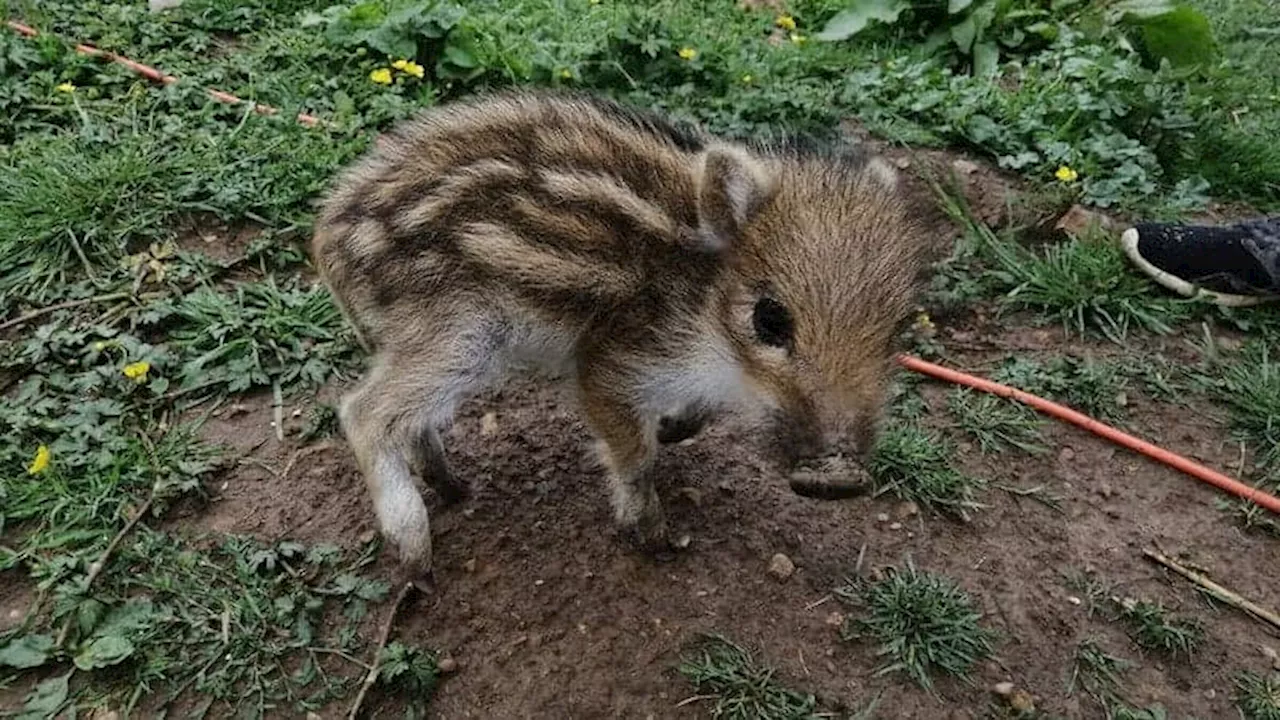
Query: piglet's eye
{"x": 772, "y": 322}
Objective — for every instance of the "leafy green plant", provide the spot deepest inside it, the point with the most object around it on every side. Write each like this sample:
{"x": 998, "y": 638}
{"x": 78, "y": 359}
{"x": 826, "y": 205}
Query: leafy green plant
{"x": 432, "y": 33}
{"x": 922, "y": 622}
{"x": 255, "y": 335}
{"x": 981, "y": 30}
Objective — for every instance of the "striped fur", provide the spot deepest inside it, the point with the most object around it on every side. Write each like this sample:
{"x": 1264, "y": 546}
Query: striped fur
{"x": 625, "y": 254}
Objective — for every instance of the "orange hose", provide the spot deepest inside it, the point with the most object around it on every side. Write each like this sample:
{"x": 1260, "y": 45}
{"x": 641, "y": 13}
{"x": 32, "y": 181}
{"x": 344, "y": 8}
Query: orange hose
{"x": 1062, "y": 412}
{"x": 156, "y": 76}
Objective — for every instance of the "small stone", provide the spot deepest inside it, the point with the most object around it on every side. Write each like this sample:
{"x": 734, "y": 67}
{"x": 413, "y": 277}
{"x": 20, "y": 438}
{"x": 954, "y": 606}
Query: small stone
{"x": 965, "y": 167}
{"x": 781, "y": 567}
{"x": 835, "y": 618}
{"x": 882, "y": 518}
{"x": 157, "y": 6}
{"x": 470, "y": 565}
{"x": 1105, "y": 490}
{"x": 448, "y": 666}
{"x": 1269, "y": 653}
{"x": 105, "y": 714}
{"x": 1210, "y": 694}
{"x": 682, "y": 542}
{"x": 895, "y": 526}
{"x": 489, "y": 424}
{"x": 1077, "y": 221}
{"x": 1003, "y": 689}
{"x": 367, "y": 537}
{"x": 1074, "y": 600}
{"x": 906, "y": 510}
{"x": 1066, "y": 454}
{"x": 902, "y": 163}
{"x": 1022, "y": 702}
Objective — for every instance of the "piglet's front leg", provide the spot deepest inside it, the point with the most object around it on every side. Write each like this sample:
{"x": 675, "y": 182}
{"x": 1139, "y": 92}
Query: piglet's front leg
{"x": 627, "y": 449}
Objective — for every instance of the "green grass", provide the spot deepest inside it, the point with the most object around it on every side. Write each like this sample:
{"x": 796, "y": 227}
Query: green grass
{"x": 1097, "y": 672}
{"x": 916, "y": 464}
{"x": 1096, "y": 388}
{"x": 1258, "y": 696}
{"x": 995, "y": 423}
{"x": 922, "y": 624}
{"x": 1154, "y": 628}
{"x": 1085, "y": 283}
{"x": 742, "y": 688}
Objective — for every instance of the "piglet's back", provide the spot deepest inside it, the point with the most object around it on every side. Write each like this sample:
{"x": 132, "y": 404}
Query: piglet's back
{"x": 565, "y": 199}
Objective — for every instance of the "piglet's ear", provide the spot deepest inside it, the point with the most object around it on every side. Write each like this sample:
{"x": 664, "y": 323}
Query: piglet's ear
{"x": 732, "y": 189}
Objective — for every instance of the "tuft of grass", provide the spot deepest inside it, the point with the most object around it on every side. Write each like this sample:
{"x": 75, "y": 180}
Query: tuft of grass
{"x": 1250, "y": 387}
{"x": 742, "y": 688}
{"x": 995, "y": 423}
{"x": 1153, "y": 627}
{"x": 1258, "y": 696}
{"x": 916, "y": 464}
{"x": 1097, "y": 672}
{"x": 1086, "y": 283}
{"x": 923, "y": 623}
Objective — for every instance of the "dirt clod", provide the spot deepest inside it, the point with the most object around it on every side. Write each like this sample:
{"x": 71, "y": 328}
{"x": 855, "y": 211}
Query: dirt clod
{"x": 781, "y": 567}
{"x": 882, "y": 517}
{"x": 1022, "y": 702}
{"x": 448, "y": 666}
{"x": 906, "y": 510}
{"x": 1003, "y": 689}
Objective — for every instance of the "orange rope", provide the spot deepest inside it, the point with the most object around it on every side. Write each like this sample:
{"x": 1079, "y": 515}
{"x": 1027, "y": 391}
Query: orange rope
{"x": 1062, "y": 412}
{"x": 156, "y": 76}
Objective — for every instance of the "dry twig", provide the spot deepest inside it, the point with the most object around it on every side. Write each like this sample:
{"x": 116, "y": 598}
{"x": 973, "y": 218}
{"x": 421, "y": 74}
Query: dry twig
{"x": 1216, "y": 590}
{"x": 383, "y": 636}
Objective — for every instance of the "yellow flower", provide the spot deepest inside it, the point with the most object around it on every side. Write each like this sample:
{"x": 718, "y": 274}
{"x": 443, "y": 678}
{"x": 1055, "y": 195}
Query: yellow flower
{"x": 924, "y": 323}
{"x": 382, "y": 76}
{"x": 746, "y": 79}
{"x": 41, "y": 461}
{"x": 786, "y": 22}
{"x": 1066, "y": 174}
{"x": 798, "y": 39}
{"x": 566, "y": 73}
{"x": 409, "y": 67}
{"x": 137, "y": 372}
{"x": 688, "y": 53}
{"x": 99, "y": 346}
{"x": 66, "y": 87}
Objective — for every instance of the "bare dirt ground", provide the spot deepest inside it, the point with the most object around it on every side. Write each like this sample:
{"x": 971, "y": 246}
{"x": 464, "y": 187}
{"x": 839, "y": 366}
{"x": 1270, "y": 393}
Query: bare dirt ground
{"x": 549, "y": 615}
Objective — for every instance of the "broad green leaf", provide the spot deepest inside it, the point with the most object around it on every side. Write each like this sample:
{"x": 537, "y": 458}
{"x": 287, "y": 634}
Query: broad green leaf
{"x": 104, "y": 651}
{"x": 27, "y": 651}
{"x": 1183, "y": 37}
{"x": 986, "y": 59}
{"x": 46, "y": 699}
{"x": 963, "y": 33}
{"x": 956, "y": 6}
{"x": 856, "y": 17}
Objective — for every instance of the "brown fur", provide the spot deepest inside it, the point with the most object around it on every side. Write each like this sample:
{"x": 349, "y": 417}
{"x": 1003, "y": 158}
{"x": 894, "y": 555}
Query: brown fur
{"x": 625, "y": 254}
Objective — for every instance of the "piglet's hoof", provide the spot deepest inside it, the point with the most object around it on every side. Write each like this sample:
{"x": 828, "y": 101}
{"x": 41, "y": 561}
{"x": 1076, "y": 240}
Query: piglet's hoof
{"x": 833, "y": 478}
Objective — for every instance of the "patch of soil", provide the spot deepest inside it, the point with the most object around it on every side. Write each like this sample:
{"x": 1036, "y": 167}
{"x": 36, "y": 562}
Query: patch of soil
{"x": 550, "y": 615}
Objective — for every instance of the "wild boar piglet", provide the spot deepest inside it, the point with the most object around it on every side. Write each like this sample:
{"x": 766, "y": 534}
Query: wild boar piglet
{"x": 665, "y": 275}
